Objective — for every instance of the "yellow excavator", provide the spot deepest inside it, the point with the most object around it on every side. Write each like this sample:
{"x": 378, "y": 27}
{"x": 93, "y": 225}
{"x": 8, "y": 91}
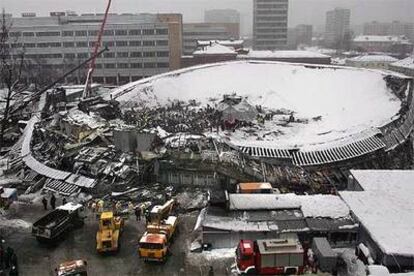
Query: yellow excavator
{"x": 154, "y": 244}
{"x": 110, "y": 228}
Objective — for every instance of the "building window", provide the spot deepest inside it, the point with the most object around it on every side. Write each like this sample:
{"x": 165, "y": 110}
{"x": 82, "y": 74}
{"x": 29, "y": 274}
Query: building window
{"x": 111, "y": 80}
{"x": 149, "y": 65}
{"x": 163, "y": 54}
{"x": 83, "y": 55}
{"x": 121, "y": 32}
{"x": 121, "y": 43}
{"x": 122, "y": 54}
{"x": 108, "y": 43}
{"x": 162, "y": 42}
{"x": 92, "y": 44}
{"x": 82, "y": 44}
{"x": 28, "y": 34}
{"x": 134, "y": 32}
{"x": 30, "y": 45}
{"x": 108, "y": 33}
{"x": 148, "y": 32}
{"x": 93, "y": 33}
{"x": 162, "y": 31}
{"x": 149, "y": 43}
{"x": 135, "y": 43}
{"x": 70, "y": 56}
{"x": 136, "y": 54}
{"x": 16, "y": 45}
{"x": 81, "y": 33}
{"x": 110, "y": 65}
{"x": 49, "y": 44}
{"x": 136, "y": 65}
{"x": 48, "y": 34}
{"x": 123, "y": 65}
{"x": 15, "y": 34}
{"x": 109, "y": 55}
{"x": 67, "y": 33}
{"x": 98, "y": 66}
{"x": 149, "y": 54}
{"x": 163, "y": 65}
{"x": 68, "y": 44}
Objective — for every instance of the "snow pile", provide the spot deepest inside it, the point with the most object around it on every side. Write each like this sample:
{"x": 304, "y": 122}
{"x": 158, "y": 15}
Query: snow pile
{"x": 11, "y": 225}
{"x": 381, "y": 38}
{"x": 345, "y": 101}
{"x": 78, "y": 117}
{"x": 325, "y": 206}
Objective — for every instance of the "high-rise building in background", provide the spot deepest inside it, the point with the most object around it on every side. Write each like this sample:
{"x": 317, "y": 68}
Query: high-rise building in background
{"x": 193, "y": 32}
{"x": 222, "y": 16}
{"x": 270, "y": 22}
{"x": 304, "y": 34}
{"x": 140, "y": 45}
{"x": 337, "y": 30}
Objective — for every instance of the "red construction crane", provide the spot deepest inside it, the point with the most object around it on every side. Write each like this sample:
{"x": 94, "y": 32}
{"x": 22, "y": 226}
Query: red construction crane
{"x": 92, "y": 64}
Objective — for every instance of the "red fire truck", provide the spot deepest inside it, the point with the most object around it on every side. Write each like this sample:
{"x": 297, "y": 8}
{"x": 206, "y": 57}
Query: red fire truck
{"x": 270, "y": 257}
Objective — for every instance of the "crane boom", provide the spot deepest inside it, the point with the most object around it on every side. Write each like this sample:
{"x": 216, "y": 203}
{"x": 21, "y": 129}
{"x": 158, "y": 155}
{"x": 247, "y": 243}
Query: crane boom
{"x": 92, "y": 64}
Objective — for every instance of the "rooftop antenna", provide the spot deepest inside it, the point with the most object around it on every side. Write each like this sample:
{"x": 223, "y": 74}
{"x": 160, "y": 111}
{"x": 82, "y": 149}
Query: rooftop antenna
{"x": 92, "y": 64}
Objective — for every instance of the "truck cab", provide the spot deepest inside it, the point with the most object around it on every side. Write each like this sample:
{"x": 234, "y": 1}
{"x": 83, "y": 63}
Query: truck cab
{"x": 245, "y": 256}
{"x": 153, "y": 247}
{"x": 72, "y": 268}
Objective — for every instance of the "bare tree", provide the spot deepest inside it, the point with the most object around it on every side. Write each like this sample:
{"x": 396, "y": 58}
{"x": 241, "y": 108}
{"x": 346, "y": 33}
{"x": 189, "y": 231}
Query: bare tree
{"x": 11, "y": 64}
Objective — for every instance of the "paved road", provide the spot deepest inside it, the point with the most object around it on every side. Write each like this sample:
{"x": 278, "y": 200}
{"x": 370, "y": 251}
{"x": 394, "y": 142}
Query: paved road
{"x": 39, "y": 260}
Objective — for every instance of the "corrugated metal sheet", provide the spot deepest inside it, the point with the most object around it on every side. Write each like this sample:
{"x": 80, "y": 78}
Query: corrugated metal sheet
{"x": 42, "y": 169}
{"x": 81, "y": 181}
{"x": 28, "y": 132}
{"x": 348, "y": 151}
{"x": 61, "y": 187}
{"x": 266, "y": 152}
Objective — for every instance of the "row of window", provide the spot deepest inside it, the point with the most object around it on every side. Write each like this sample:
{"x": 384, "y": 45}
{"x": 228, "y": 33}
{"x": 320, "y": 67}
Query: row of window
{"x": 269, "y": 11}
{"x": 270, "y": 43}
{"x": 91, "y": 33}
{"x": 83, "y": 44}
{"x": 133, "y": 65}
{"x": 281, "y": 36}
{"x": 272, "y": 6}
{"x": 271, "y": 18}
{"x": 106, "y": 55}
{"x": 271, "y": 25}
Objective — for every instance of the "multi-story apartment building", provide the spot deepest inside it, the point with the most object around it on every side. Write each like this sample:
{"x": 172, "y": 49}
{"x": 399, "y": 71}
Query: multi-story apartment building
{"x": 337, "y": 26}
{"x": 194, "y": 32}
{"x": 139, "y": 45}
{"x": 222, "y": 16}
{"x": 395, "y": 28}
{"x": 270, "y": 21}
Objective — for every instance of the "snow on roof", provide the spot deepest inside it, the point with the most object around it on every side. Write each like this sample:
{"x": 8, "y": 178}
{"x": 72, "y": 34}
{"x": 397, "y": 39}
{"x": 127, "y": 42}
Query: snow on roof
{"x": 380, "y": 38}
{"x": 215, "y": 49}
{"x": 385, "y": 181}
{"x": 79, "y": 117}
{"x": 327, "y": 206}
{"x": 385, "y": 208}
{"x": 373, "y": 58}
{"x": 285, "y": 54}
{"x": 222, "y": 42}
{"x": 405, "y": 63}
{"x": 347, "y": 101}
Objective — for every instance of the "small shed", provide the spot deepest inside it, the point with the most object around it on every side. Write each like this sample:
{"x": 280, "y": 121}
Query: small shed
{"x": 255, "y": 188}
{"x": 326, "y": 257}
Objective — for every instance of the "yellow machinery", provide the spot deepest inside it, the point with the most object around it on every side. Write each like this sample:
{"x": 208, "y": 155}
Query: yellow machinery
{"x": 107, "y": 237}
{"x": 154, "y": 244}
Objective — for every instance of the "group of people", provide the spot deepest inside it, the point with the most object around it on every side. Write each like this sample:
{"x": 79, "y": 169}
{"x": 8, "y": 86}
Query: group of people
{"x": 8, "y": 260}
{"x": 52, "y": 202}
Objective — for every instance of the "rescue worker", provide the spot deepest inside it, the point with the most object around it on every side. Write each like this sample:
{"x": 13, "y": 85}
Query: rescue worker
{"x": 7, "y": 257}
{"x": 44, "y": 202}
{"x": 53, "y": 202}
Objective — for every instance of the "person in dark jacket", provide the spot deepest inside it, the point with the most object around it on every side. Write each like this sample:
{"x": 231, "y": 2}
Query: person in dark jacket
{"x": 44, "y": 202}
{"x": 53, "y": 202}
{"x": 7, "y": 257}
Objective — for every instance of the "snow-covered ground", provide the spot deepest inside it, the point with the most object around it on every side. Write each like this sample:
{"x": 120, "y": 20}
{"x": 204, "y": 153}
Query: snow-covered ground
{"x": 331, "y": 102}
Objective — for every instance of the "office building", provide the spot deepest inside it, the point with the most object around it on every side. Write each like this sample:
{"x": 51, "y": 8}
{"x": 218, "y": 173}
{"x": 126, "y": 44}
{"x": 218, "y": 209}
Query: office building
{"x": 222, "y": 16}
{"x": 394, "y": 28}
{"x": 337, "y": 29}
{"x": 139, "y": 45}
{"x": 270, "y": 21}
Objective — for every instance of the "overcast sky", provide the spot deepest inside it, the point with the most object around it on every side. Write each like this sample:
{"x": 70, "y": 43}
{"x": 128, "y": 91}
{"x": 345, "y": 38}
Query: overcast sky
{"x": 300, "y": 11}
